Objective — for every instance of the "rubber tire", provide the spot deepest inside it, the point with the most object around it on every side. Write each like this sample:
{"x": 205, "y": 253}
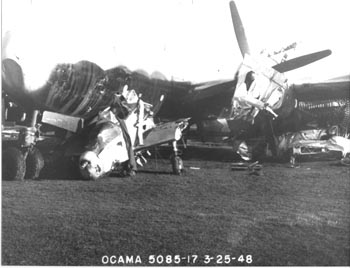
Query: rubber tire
{"x": 13, "y": 164}
{"x": 345, "y": 161}
{"x": 177, "y": 165}
{"x": 34, "y": 163}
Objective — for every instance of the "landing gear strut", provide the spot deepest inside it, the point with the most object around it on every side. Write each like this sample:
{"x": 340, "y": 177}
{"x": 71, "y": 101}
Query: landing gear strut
{"x": 13, "y": 164}
{"x": 21, "y": 159}
{"x": 176, "y": 161}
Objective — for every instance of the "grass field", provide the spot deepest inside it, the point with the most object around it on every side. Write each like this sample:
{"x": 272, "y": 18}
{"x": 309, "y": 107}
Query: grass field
{"x": 285, "y": 216}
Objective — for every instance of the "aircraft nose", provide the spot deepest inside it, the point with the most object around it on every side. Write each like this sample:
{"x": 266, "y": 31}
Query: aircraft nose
{"x": 90, "y": 166}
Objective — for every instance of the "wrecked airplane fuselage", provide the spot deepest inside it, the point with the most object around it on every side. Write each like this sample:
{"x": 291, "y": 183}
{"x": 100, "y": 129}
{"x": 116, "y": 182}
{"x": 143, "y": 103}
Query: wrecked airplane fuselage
{"x": 114, "y": 143}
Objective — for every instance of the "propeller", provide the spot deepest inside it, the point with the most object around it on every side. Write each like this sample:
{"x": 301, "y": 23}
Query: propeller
{"x": 239, "y": 29}
{"x": 301, "y": 61}
{"x": 283, "y": 66}
{"x": 5, "y": 42}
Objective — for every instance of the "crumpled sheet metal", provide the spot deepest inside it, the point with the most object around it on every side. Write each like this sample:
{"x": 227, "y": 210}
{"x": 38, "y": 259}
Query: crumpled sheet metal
{"x": 270, "y": 88}
{"x": 314, "y": 138}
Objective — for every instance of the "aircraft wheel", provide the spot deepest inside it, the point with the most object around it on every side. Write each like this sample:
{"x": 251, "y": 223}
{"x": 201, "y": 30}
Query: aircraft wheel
{"x": 34, "y": 163}
{"x": 177, "y": 165}
{"x": 345, "y": 161}
{"x": 13, "y": 164}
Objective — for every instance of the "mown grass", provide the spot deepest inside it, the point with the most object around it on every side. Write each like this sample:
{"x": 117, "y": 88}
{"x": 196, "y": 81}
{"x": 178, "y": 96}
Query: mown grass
{"x": 282, "y": 217}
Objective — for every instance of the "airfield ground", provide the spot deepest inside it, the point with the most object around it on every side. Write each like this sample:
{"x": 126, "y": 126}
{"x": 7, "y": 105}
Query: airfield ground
{"x": 285, "y": 216}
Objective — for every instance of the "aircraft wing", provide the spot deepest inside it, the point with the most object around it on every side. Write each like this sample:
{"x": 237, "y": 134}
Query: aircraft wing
{"x": 208, "y": 99}
{"x": 70, "y": 89}
{"x": 337, "y": 88}
{"x": 163, "y": 133}
{"x": 210, "y": 89}
{"x": 83, "y": 89}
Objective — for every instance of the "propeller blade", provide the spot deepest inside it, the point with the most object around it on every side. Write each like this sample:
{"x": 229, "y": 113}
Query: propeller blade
{"x": 239, "y": 29}
{"x": 301, "y": 61}
{"x": 5, "y": 41}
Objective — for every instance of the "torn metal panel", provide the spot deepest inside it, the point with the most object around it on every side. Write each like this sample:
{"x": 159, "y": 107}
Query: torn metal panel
{"x": 338, "y": 143}
{"x": 70, "y": 123}
{"x": 315, "y": 141}
{"x": 287, "y": 140}
{"x": 334, "y": 144}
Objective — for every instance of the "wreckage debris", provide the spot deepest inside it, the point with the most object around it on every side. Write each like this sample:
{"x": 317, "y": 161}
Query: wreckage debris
{"x": 252, "y": 168}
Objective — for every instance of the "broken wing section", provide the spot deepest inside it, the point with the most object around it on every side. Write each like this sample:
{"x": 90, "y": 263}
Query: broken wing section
{"x": 208, "y": 100}
{"x": 163, "y": 133}
{"x": 325, "y": 103}
{"x": 338, "y": 88}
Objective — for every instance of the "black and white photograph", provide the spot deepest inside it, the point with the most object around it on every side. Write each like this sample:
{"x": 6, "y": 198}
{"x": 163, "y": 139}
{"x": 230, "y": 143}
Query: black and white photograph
{"x": 175, "y": 133}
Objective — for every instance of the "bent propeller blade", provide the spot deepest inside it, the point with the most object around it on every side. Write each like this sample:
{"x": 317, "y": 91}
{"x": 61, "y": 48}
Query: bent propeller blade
{"x": 239, "y": 29}
{"x": 301, "y": 61}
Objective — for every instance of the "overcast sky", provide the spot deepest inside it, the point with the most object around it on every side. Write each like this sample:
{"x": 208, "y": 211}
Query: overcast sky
{"x": 189, "y": 40}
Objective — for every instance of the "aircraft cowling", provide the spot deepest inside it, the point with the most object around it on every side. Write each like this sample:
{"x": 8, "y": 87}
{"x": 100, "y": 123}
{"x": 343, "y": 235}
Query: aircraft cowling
{"x": 106, "y": 147}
